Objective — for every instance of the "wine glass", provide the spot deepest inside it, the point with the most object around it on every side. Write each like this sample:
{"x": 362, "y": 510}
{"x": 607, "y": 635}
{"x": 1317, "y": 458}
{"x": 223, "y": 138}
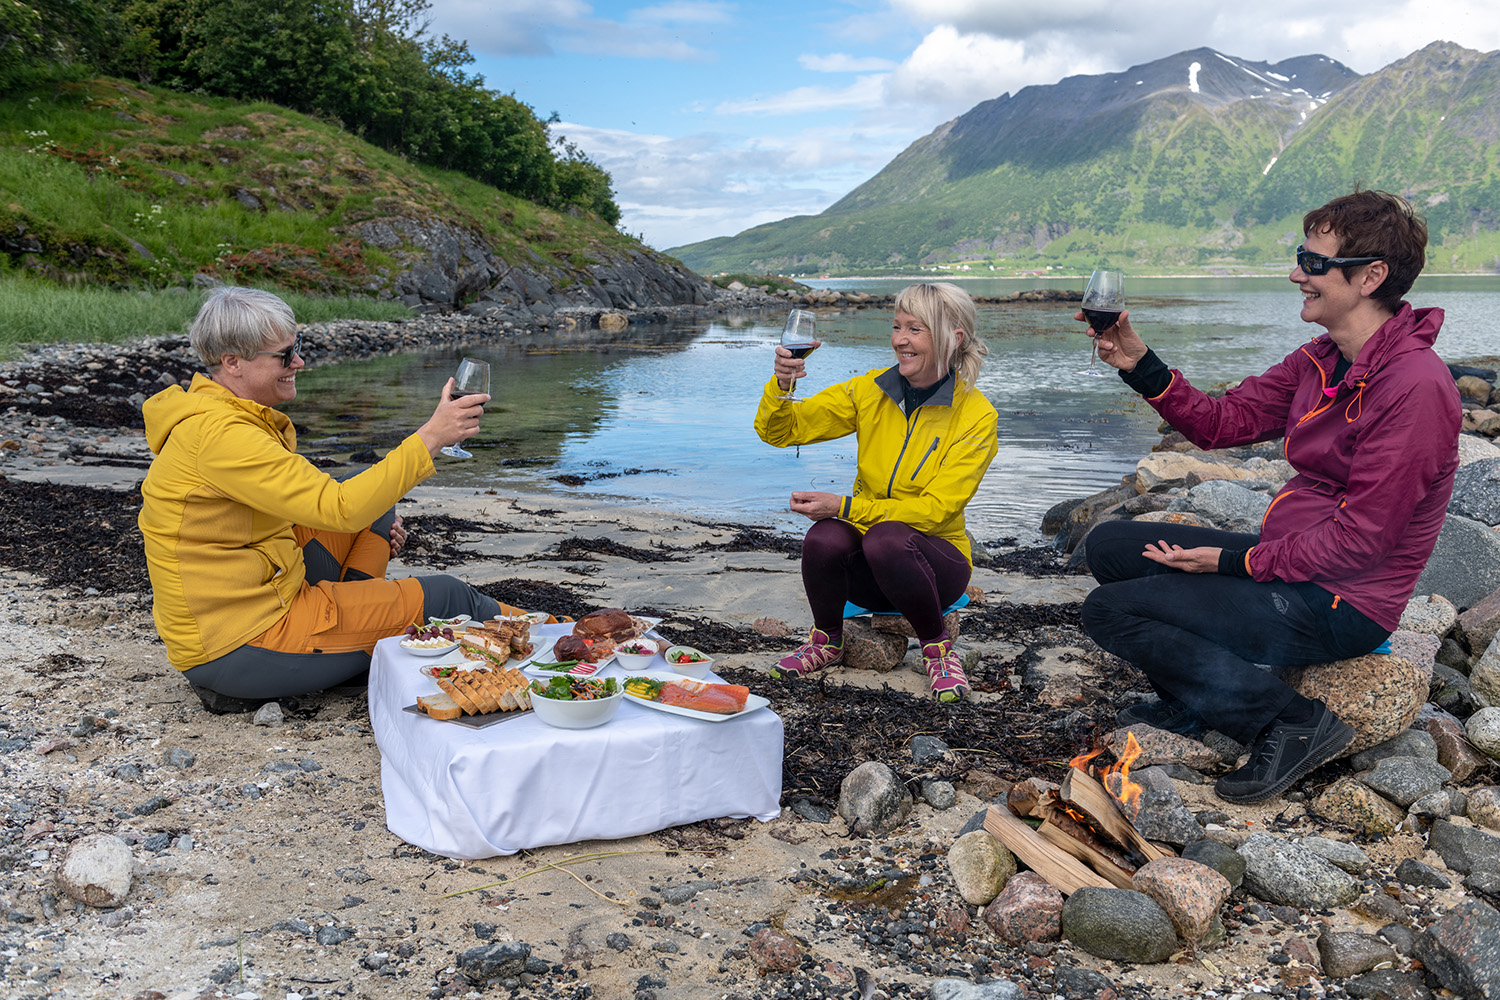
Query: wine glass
{"x": 1103, "y": 301}
{"x": 471, "y": 378}
{"x": 798, "y": 337}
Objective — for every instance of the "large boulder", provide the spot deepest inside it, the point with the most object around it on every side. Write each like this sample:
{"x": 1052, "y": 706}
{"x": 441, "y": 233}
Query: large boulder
{"x": 1225, "y": 504}
{"x": 1378, "y": 694}
{"x": 1476, "y": 491}
{"x": 1162, "y": 470}
{"x": 1465, "y": 565}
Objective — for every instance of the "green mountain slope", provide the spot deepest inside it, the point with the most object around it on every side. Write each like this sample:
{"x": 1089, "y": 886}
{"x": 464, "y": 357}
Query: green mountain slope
{"x": 104, "y": 181}
{"x": 1198, "y": 160}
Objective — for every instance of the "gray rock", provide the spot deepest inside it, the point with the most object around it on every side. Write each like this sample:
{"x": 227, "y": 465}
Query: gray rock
{"x": 96, "y": 870}
{"x": 1431, "y": 614}
{"x": 939, "y": 794}
{"x": 1162, "y": 815}
{"x": 1219, "y": 856}
{"x": 1480, "y": 624}
{"x": 500, "y": 960}
{"x": 1484, "y": 678}
{"x": 301, "y": 927}
{"x": 1465, "y": 849}
{"x": 1476, "y": 492}
{"x": 1465, "y": 565}
{"x": 1482, "y": 807}
{"x": 1404, "y": 780}
{"x": 1348, "y": 857}
{"x": 926, "y": 749}
{"x": 617, "y": 941}
{"x": 1419, "y": 650}
{"x": 268, "y": 714}
{"x": 678, "y": 894}
{"x": 1226, "y": 504}
{"x": 1462, "y": 949}
{"x": 1400, "y": 937}
{"x": 1072, "y": 982}
{"x": 1451, "y": 654}
{"x": 962, "y": 989}
{"x": 1387, "y": 984}
{"x": 1407, "y": 743}
{"x": 1118, "y": 924}
{"x": 1438, "y": 805}
{"x": 1483, "y": 729}
{"x": 812, "y": 811}
{"x": 872, "y": 799}
{"x": 334, "y": 935}
{"x": 980, "y": 866}
{"x": 1344, "y": 953}
{"x": 1282, "y": 872}
{"x": 1413, "y": 872}
{"x": 179, "y": 758}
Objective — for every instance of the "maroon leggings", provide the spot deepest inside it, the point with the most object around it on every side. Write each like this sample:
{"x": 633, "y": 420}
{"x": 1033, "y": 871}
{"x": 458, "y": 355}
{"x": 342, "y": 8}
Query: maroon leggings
{"x": 891, "y": 567}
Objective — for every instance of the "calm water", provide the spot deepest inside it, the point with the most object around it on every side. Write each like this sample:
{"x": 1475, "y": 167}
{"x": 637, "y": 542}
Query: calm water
{"x": 664, "y": 414}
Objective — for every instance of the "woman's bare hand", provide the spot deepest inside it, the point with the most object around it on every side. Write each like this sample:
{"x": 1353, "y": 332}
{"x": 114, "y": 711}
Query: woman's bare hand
{"x": 398, "y": 537}
{"x": 1203, "y": 559}
{"x": 788, "y": 369}
{"x": 816, "y": 506}
{"x": 454, "y": 420}
{"x": 1119, "y": 346}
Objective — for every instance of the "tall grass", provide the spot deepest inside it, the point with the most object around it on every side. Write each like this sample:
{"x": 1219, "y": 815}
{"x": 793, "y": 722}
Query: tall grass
{"x": 36, "y": 312}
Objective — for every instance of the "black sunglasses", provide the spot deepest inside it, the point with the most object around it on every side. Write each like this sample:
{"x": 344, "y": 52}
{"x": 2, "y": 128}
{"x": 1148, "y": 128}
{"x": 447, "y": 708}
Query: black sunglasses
{"x": 286, "y": 355}
{"x": 1315, "y": 263}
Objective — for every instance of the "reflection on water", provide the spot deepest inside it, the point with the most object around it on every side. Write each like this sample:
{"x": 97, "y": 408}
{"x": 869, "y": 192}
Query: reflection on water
{"x": 663, "y": 413}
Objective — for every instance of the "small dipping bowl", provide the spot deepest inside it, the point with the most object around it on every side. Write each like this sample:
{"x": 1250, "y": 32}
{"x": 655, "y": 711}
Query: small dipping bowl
{"x": 577, "y": 714}
{"x": 697, "y": 667}
{"x": 635, "y": 661}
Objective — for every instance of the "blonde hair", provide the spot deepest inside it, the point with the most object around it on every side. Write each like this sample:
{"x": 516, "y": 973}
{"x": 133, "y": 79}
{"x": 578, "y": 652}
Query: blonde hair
{"x": 943, "y": 307}
{"x": 239, "y": 321}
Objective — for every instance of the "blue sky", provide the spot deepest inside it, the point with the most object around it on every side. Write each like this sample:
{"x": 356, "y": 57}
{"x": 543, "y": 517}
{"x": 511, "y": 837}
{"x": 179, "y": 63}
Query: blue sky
{"x": 713, "y": 116}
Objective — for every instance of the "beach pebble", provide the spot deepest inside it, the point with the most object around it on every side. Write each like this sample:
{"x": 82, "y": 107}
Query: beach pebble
{"x": 268, "y": 714}
{"x": 1404, "y": 780}
{"x": 1462, "y": 949}
{"x": 485, "y": 962}
{"x": 872, "y": 799}
{"x": 939, "y": 794}
{"x": 980, "y": 866}
{"x": 1279, "y": 871}
{"x": 962, "y": 989}
{"x": 772, "y": 951}
{"x": 1483, "y": 729}
{"x": 1345, "y": 953}
{"x": 97, "y": 870}
{"x": 1465, "y": 849}
{"x": 1348, "y": 857}
{"x": 1220, "y": 857}
{"x": 1407, "y": 743}
{"x": 1413, "y": 872}
{"x": 1118, "y": 924}
{"x": 1188, "y": 892}
{"x": 1027, "y": 909}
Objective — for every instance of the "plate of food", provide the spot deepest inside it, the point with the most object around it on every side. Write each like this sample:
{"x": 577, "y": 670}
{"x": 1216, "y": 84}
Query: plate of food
{"x": 432, "y": 639}
{"x": 673, "y": 693}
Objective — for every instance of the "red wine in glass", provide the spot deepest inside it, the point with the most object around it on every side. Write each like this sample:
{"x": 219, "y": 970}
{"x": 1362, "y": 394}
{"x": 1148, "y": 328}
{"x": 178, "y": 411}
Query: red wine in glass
{"x": 1101, "y": 319}
{"x": 800, "y": 350}
{"x": 799, "y": 336}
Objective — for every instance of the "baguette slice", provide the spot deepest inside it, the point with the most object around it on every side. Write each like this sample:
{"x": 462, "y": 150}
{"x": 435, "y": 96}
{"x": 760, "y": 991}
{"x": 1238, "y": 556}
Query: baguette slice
{"x": 457, "y": 694}
{"x": 439, "y": 706}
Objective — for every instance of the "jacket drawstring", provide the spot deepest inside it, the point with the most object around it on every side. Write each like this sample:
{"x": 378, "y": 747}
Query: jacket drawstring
{"x": 1356, "y": 404}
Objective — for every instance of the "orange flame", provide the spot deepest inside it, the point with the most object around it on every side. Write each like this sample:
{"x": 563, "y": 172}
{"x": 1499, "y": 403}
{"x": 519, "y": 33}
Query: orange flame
{"x": 1082, "y": 760}
{"x": 1117, "y": 779}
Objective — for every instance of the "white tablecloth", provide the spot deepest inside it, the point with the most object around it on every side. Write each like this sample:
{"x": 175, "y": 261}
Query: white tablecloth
{"x": 475, "y": 793}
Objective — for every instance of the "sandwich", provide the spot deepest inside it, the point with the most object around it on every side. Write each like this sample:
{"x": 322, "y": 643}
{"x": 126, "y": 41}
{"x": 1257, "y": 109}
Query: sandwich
{"x": 495, "y": 644}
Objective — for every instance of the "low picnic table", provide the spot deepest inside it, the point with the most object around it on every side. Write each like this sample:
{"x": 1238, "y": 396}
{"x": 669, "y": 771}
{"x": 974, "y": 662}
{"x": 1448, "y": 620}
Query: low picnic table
{"x": 518, "y": 784}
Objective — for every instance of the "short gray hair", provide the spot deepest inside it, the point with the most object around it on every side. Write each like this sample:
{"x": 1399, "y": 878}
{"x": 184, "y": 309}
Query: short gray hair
{"x": 239, "y": 321}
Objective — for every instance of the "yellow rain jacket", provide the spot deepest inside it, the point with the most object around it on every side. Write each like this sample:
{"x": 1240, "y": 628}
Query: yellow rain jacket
{"x": 921, "y": 468}
{"x": 220, "y": 502}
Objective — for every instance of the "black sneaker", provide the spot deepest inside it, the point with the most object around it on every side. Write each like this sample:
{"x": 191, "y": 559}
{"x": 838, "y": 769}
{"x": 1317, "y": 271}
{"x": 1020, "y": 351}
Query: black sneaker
{"x": 1173, "y": 716}
{"x": 1285, "y": 753}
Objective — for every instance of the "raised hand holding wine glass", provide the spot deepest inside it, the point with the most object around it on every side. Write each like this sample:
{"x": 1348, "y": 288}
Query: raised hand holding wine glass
{"x": 798, "y": 340}
{"x": 1103, "y": 301}
{"x": 472, "y": 378}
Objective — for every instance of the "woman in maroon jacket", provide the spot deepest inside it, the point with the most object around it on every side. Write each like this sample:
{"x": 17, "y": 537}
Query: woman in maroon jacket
{"x": 1371, "y": 420}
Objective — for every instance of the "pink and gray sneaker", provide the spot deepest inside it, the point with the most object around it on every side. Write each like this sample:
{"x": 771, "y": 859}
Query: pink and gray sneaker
{"x": 814, "y": 654}
{"x": 944, "y": 671}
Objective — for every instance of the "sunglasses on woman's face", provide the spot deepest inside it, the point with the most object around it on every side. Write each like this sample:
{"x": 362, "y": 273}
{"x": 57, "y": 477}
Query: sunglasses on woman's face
{"x": 286, "y": 355}
{"x": 1316, "y": 264}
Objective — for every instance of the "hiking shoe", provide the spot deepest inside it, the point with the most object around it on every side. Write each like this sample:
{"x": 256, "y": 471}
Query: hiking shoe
{"x": 814, "y": 654}
{"x": 1284, "y": 753}
{"x": 944, "y": 672}
{"x": 1170, "y": 715}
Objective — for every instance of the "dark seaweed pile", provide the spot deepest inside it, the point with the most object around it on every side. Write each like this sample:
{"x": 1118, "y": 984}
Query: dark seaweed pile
{"x": 73, "y": 536}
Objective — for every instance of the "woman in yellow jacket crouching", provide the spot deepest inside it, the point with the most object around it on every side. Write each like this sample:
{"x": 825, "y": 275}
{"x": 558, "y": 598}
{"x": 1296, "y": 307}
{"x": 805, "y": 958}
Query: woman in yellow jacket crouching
{"x": 925, "y": 439}
{"x": 267, "y": 574}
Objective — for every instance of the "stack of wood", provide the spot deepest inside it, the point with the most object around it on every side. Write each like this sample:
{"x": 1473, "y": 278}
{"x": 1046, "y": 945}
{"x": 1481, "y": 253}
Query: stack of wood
{"x": 1084, "y": 837}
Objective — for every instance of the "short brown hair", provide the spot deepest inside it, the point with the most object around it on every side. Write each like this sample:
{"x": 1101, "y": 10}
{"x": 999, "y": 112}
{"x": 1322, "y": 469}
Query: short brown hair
{"x": 1376, "y": 224}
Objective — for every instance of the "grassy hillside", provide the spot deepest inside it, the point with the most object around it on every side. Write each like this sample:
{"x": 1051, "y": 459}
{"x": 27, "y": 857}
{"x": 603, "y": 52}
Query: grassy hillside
{"x": 108, "y": 181}
{"x": 1169, "y": 183}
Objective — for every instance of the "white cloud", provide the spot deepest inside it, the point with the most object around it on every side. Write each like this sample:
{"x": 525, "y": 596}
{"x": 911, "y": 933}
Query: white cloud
{"x": 838, "y": 62}
{"x": 955, "y": 71}
{"x": 685, "y": 12}
{"x": 546, "y": 27}
{"x": 864, "y": 92}
{"x": 690, "y": 188}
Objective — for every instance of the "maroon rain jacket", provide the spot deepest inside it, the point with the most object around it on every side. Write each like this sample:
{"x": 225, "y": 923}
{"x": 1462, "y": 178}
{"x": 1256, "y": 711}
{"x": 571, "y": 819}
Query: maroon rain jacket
{"x": 1375, "y": 458}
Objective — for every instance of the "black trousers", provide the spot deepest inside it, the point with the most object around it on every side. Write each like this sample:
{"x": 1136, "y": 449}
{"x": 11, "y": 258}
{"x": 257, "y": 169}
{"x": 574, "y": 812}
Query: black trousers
{"x": 1198, "y": 636}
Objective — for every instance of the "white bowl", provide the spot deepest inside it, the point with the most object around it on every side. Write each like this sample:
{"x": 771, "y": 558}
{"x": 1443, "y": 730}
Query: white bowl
{"x": 636, "y": 661}
{"x": 698, "y": 668}
{"x": 577, "y": 714}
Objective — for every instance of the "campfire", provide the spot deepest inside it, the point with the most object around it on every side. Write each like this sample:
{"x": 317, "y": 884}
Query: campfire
{"x": 1085, "y": 835}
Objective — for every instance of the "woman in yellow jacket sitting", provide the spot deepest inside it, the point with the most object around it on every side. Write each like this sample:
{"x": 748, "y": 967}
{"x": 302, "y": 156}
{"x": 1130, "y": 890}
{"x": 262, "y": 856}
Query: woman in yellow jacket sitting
{"x": 925, "y": 439}
{"x": 267, "y": 574}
